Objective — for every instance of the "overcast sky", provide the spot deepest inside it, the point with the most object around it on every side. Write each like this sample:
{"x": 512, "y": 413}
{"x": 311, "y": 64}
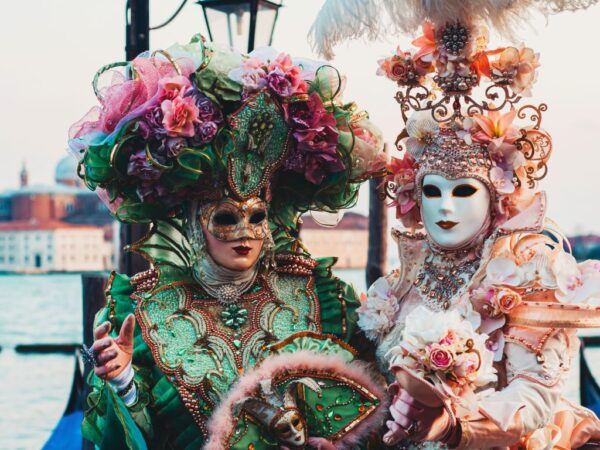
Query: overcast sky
{"x": 51, "y": 49}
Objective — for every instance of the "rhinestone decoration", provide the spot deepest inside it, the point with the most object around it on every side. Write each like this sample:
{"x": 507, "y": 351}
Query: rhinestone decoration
{"x": 455, "y": 38}
{"x": 234, "y": 316}
{"x": 439, "y": 282}
{"x": 260, "y": 131}
{"x": 448, "y": 154}
{"x": 227, "y": 294}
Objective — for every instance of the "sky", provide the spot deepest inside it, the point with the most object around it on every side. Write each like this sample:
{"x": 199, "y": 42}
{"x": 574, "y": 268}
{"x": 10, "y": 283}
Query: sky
{"x": 51, "y": 50}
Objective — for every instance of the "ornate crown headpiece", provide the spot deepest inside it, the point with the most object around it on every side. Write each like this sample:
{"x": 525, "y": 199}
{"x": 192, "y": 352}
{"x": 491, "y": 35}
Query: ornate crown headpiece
{"x": 464, "y": 98}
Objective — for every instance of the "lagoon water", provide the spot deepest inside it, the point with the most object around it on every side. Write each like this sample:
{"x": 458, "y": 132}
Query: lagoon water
{"x": 47, "y": 309}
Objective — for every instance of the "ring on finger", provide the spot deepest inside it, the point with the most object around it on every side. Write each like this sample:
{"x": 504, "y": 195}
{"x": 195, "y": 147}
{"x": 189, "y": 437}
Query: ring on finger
{"x": 413, "y": 428}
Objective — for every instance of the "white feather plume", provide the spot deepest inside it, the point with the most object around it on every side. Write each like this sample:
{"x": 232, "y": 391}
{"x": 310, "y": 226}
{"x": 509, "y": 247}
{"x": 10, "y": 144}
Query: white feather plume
{"x": 340, "y": 20}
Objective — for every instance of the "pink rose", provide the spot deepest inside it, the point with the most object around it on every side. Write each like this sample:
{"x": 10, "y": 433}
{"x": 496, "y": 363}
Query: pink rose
{"x": 505, "y": 300}
{"x": 399, "y": 70}
{"x": 441, "y": 357}
{"x": 180, "y": 114}
{"x": 172, "y": 87}
{"x": 466, "y": 365}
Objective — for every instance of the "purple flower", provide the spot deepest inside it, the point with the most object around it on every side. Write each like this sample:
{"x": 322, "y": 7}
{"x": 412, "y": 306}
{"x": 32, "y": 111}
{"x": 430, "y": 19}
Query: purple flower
{"x": 206, "y": 131}
{"x": 316, "y": 153}
{"x": 174, "y": 146}
{"x": 318, "y": 166}
{"x": 140, "y": 167}
{"x": 279, "y": 83}
{"x": 151, "y": 123}
{"x": 308, "y": 114}
{"x": 206, "y": 108}
{"x": 317, "y": 139}
{"x": 151, "y": 192}
{"x": 322, "y": 139}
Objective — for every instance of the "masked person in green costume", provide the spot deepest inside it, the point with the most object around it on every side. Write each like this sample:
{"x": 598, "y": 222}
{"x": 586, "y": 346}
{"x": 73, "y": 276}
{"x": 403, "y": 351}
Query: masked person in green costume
{"x": 235, "y": 337}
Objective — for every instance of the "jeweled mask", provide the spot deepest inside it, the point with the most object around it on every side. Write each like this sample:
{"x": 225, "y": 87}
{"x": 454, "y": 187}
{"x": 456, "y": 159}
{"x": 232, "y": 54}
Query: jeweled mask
{"x": 231, "y": 220}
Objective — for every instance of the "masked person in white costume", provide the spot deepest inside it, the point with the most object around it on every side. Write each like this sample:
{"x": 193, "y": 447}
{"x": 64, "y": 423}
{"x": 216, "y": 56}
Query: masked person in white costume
{"x": 475, "y": 330}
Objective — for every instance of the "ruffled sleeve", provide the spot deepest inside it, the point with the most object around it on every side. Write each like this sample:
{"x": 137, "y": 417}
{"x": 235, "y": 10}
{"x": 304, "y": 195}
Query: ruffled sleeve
{"x": 529, "y": 400}
{"x": 108, "y": 423}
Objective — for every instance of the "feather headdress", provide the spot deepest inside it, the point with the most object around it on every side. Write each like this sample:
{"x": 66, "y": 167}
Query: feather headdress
{"x": 340, "y": 20}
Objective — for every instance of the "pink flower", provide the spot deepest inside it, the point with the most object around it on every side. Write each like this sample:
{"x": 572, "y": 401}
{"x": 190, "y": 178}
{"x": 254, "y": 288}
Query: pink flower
{"x": 402, "y": 173}
{"x": 367, "y": 155}
{"x": 254, "y": 80}
{"x": 518, "y": 67}
{"x": 284, "y": 65}
{"x": 497, "y": 130}
{"x": 466, "y": 365}
{"x": 402, "y": 69}
{"x": 180, "y": 114}
{"x": 252, "y": 75}
{"x": 441, "y": 358}
{"x": 172, "y": 87}
{"x": 501, "y": 300}
{"x": 448, "y": 339}
{"x": 510, "y": 205}
{"x": 502, "y": 180}
{"x": 426, "y": 44}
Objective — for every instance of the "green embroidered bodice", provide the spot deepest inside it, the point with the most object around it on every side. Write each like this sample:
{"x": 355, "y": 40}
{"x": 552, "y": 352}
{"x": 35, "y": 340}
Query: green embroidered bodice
{"x": 203, "y": 346}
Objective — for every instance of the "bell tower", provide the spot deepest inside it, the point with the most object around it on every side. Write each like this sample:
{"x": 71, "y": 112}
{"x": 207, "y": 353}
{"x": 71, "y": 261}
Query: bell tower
{"x": 24, "y": 176}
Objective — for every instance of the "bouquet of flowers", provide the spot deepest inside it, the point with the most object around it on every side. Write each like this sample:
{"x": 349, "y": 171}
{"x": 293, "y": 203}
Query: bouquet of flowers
{"x": 445, "y": 349}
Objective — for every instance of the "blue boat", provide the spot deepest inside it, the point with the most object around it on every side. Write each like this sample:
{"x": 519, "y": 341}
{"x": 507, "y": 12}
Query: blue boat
{"x": 67, "y": 433}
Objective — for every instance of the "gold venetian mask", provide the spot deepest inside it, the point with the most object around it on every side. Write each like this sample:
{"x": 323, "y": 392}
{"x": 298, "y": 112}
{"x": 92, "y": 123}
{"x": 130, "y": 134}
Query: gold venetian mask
{"x": 290, "y": 429}
{"x": 232, "y": 220}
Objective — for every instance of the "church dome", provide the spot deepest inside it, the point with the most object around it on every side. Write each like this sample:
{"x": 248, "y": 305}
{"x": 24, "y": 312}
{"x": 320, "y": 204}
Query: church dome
{"x": 66, "y": 171}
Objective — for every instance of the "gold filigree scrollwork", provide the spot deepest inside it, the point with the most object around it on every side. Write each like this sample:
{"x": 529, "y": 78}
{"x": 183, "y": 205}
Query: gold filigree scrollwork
{"x": 452, "y": 106}
{"x": 536, "y": 147}
{"x": 389, "y": 190}
{"x": 533, "y": 113}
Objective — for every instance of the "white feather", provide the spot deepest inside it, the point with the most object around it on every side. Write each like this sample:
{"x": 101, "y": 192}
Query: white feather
{"x": 339, "y": 20}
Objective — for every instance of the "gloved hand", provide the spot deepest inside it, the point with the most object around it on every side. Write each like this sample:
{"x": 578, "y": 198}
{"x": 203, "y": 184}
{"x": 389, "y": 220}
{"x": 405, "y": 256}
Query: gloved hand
{"x": 113, "y": 355}
{"x": 417, "y": 422}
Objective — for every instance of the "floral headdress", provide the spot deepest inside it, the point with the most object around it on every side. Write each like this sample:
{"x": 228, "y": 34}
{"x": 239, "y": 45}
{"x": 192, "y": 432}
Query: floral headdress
{"x": 452, "y": 133}
{"x": 201, "y": 122}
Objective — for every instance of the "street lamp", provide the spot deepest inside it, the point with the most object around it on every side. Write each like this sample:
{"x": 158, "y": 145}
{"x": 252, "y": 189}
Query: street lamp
{"x": 241, "y": 23}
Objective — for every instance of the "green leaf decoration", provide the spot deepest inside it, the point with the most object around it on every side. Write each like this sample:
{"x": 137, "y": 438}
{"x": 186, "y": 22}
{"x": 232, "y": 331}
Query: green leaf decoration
{"x": 260, "y": 140}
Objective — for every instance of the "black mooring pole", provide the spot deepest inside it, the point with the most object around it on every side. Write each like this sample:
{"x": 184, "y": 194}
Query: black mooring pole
{"x": 137, "y": 40}
{"x": 377, "y": 250}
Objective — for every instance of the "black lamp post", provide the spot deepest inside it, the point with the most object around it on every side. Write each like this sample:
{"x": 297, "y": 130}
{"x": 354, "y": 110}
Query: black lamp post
{"x": 241, "y": 23}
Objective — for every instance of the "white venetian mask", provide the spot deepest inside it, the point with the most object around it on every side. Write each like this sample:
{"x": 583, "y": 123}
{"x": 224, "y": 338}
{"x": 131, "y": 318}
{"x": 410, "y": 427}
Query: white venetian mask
{"x": 454, "y": 211}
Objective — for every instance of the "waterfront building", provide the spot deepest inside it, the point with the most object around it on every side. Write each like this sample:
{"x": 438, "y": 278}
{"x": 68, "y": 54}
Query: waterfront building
{"x": 53, "y": 246}
{"x": 62, "y": 227}
{"x": 348, "y": 240}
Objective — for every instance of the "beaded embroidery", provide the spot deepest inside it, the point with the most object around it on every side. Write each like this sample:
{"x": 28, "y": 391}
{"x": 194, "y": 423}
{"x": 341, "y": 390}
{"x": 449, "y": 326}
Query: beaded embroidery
{"x": 203, "y": 346}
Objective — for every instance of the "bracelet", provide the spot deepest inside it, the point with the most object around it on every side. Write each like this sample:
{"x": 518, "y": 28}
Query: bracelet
{"x": 127, "y": 389}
